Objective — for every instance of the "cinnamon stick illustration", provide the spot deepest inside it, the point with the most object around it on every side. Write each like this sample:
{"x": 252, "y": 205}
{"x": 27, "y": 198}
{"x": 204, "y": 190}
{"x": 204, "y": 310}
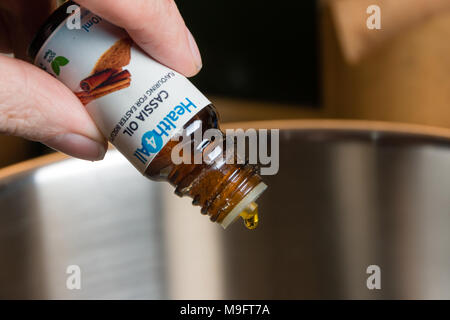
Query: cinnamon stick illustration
{"x": 96, "y": 95}
{"x": 116, "y": 81}
{"x": 97, "y": 79}
{"x": 108, "y": 75}
{"x": 108, "y": 87}
{"x": 119, "y": 76}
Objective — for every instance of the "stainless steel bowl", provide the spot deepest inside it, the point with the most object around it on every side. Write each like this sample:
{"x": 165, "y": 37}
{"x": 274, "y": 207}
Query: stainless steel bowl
{"x": 348, "y": 195}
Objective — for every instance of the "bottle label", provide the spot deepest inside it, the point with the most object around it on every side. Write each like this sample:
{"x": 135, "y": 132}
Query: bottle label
{"x": 137, "y": 103}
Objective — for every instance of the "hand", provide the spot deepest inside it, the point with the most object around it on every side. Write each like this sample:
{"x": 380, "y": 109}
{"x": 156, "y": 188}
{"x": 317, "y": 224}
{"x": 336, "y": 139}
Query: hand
{"x": 36, "y": 106}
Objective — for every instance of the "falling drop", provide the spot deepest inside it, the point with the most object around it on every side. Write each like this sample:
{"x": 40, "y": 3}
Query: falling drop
{"x": 250, "y": 216}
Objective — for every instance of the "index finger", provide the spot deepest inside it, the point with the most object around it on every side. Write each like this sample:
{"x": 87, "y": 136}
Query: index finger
{"x": 157, "y": 27}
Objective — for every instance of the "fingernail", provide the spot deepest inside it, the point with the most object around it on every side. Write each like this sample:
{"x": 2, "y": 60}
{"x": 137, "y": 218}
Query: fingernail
{"x": 78, "y": 146}
{"x": 195, "y": 51}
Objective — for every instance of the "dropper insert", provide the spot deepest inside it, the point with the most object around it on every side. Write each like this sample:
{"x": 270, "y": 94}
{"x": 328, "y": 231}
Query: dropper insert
{"x": 247, "y": 204}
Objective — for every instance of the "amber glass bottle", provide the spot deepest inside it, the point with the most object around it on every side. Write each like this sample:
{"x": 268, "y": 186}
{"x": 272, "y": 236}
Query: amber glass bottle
{"x": 223, "y": 191}
{"x": 133, "y": 99}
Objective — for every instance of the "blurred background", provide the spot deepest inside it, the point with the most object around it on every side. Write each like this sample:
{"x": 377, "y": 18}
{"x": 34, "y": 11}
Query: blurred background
{"x": 296, "y": 59}
{"x": 348, "y": 194}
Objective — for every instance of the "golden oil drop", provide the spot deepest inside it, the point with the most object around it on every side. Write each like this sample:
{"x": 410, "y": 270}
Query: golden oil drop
{"x": 250, "y": 216}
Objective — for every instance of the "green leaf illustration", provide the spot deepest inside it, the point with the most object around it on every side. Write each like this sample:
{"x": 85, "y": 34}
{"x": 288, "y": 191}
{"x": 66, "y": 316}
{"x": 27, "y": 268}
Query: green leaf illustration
{"x": 55, "y": 67}
{"x": 57, "y": 63}
{"x": 61, "y": 61}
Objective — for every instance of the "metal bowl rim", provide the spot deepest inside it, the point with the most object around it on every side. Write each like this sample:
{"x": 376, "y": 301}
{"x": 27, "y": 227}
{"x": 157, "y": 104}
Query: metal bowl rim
{"x": 410, "y": 133}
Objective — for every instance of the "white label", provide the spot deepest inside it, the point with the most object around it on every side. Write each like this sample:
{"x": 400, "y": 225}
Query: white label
{"x": 137, "y": 103}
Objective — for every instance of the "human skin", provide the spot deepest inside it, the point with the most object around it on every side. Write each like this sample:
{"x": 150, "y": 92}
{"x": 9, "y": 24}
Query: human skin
{"x": 36, "y": 106}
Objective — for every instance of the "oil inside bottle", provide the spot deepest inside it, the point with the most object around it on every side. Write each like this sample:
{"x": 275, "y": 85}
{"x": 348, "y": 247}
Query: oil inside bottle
{"x": 250, "y": 216}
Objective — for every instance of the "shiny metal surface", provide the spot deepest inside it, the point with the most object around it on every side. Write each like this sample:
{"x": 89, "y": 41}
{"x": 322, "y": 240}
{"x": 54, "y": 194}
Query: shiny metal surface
{"x": 342, "y": 200}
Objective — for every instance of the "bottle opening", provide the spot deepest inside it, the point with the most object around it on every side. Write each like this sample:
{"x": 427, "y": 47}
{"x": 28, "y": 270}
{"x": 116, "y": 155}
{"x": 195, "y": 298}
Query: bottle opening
{"x": 247, "y": 209}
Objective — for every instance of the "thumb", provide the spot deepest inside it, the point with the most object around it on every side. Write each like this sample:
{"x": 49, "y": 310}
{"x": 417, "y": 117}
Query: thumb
{"x": 157, "y": 27}
{"x": 35, "y": 106}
